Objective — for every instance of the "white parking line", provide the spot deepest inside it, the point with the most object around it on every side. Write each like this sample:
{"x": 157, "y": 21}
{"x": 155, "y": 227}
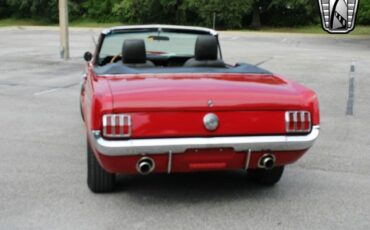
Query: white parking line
{"x": 45, "y": 92}
{"x": 351, "y": 90}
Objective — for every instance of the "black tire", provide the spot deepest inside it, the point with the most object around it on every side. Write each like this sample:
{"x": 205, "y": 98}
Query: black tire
{"x": 267, "y": 177}
{"x": 98, "y": 180}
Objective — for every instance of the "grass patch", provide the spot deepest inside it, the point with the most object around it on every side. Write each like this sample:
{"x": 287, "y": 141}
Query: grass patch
{"x": 77, "y": 23}
{"x": 361, "y": 30}
{"x": 23, "y": 22}
{"x": 89, "y": 23}
{"x": 305, "y": 29}
{"x": 313, "y": 29}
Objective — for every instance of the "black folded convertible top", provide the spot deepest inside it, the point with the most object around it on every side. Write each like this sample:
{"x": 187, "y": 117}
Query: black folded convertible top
{"x": 119, "y": 68}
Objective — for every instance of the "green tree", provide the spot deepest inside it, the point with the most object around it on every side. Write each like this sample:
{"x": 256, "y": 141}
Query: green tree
{"x": 133, "y": 11}
{"x": 363, "y": 16}
{"x": 42, "y": 10}
{"x": 99, "y": 10}
{"x": 229, "y": 13}
{"x": 4, "y": 9}
{"x": 195, "y": 12}
{"x": 149, "y": 11}
{"x": 293, "y": 12}
{"x": 284, "y": 12}
{"x": 46, "y": 10}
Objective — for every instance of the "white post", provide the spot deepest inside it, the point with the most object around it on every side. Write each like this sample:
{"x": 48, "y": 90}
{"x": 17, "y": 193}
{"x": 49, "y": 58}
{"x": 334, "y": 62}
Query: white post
{"x": 63, "y": 23}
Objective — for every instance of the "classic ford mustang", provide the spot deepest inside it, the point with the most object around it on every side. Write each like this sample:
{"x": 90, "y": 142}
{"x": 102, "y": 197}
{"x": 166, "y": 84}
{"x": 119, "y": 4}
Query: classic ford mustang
{"x": 160, "y": 99}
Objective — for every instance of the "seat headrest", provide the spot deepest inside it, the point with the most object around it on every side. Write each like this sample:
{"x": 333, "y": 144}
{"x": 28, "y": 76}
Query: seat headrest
{"x": 206, "y": 48}
{"x": 133, "y": 51}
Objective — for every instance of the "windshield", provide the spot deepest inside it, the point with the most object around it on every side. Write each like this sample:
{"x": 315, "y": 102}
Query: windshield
{"x": 157, "y": 43}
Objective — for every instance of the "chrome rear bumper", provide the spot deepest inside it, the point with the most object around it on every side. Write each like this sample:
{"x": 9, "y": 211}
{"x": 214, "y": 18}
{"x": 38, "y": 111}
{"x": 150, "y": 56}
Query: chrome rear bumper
{"x": 180, "y": 145}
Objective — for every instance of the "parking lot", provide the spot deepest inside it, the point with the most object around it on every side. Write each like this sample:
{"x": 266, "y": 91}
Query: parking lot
{"x": 43, "y": 144}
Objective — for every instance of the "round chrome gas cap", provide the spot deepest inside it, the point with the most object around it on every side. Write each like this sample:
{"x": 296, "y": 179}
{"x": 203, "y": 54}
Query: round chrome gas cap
{"x": 210, "y": 121}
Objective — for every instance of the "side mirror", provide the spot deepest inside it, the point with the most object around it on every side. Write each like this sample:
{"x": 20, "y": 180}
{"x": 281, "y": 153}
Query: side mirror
{"x": 88, "y": 56}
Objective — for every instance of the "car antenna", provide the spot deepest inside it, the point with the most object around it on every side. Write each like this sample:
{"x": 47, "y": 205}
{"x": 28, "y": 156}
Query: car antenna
{"x": 92, "y": 37}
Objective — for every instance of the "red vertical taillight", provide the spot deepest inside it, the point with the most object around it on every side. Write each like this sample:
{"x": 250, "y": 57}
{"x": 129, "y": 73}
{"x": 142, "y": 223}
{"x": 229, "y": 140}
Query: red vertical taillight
{"x": 297, "y": 121}
{"x": 116, "y": 125}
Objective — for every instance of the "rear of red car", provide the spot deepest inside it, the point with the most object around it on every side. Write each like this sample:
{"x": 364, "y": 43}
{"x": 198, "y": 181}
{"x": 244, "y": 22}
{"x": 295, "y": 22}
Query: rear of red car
{"x": 157, "y": 123}
{"x": 168, "y": 103}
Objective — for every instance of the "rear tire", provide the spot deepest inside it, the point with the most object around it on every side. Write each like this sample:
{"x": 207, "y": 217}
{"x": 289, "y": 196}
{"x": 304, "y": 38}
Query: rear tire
{"x": 267, "y": 177}
{"x": 98, "y": 180}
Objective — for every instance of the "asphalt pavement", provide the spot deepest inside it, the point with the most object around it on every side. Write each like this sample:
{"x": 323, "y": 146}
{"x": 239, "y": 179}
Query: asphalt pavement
{"x": 43, "y": 144}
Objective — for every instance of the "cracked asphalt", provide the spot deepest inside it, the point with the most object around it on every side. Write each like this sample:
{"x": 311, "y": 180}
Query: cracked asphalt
{"x": 43, "y": 149}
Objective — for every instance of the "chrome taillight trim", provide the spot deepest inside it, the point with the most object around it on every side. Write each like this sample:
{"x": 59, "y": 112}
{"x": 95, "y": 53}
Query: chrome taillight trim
{"x": 302, "y": 115}
{"x": 113, "y": 124}
{"x": 123, "y": 120}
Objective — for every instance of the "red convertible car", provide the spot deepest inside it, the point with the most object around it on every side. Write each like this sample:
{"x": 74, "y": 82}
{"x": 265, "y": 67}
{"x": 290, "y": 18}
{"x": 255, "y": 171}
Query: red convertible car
{"x": 160, "y": 99}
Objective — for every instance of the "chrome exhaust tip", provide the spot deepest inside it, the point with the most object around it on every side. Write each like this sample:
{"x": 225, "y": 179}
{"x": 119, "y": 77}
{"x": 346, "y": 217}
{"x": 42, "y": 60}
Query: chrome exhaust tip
{"x": 267, "y": 161}
{"x": 145, "y": 165}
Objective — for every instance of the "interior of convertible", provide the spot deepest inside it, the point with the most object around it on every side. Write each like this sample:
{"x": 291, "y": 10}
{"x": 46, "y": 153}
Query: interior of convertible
{"x": 158, "y": 52}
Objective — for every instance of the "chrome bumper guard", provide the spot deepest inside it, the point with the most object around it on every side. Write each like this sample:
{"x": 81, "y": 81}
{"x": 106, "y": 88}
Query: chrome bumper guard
{"x": 180, "y": 145}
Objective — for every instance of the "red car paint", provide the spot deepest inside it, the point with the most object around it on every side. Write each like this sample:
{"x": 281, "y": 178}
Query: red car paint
{"x": 172, "y": 105}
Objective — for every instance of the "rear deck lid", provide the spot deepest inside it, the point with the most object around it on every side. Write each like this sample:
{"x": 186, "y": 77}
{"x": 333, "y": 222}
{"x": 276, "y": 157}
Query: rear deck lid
{"x": 202, "y": 92}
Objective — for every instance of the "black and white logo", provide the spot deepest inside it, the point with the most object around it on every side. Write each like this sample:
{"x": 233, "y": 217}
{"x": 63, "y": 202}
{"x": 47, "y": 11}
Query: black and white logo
{"x": 338, "y": 16}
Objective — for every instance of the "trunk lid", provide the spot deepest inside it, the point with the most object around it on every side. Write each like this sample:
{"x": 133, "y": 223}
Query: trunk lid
{"x": 174, "y": 105}
{"x": 194, "y": 92}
